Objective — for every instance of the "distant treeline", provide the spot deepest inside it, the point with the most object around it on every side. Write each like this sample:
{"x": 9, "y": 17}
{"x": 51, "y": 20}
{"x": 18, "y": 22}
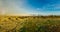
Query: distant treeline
{"x": 49, "y": 16}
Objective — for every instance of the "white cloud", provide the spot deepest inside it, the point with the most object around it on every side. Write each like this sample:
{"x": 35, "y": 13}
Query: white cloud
{"x": 12, "y": 7}
{"x": 18, "y": 7}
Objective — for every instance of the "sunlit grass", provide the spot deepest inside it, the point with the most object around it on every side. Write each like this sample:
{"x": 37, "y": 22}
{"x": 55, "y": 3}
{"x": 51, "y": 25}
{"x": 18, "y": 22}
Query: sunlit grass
{"x": 29, "y": 24}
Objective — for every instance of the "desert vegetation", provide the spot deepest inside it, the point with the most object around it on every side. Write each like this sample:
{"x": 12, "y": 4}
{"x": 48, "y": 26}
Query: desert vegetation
{"x": 29, "y": 23}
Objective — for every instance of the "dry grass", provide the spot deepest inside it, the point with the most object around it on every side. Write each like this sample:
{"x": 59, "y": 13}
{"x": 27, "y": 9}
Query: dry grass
{"x": 29, "y": 24}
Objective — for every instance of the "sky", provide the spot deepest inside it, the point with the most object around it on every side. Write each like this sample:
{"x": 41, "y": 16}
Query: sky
{"x": 36, "y": 7}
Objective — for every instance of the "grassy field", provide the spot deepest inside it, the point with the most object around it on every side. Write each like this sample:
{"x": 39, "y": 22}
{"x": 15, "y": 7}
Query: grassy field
{"x": 29, "y": 23}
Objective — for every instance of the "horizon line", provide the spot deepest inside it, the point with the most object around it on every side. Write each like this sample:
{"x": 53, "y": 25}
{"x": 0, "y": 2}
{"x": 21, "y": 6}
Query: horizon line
{"x": 26, "y": 15}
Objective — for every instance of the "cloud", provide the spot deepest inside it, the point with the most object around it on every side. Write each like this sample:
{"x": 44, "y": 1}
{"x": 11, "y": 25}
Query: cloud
{"x": 22, "y": 7}
{"x": 12, "y": 7}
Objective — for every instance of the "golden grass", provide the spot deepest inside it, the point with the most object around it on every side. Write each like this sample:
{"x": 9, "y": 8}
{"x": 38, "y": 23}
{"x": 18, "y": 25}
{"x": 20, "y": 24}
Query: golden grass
{"x": 9, "y": 23}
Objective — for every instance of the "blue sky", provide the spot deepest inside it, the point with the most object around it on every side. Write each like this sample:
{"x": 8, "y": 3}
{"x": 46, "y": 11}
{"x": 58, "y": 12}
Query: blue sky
{"x": 41, "y": 7}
